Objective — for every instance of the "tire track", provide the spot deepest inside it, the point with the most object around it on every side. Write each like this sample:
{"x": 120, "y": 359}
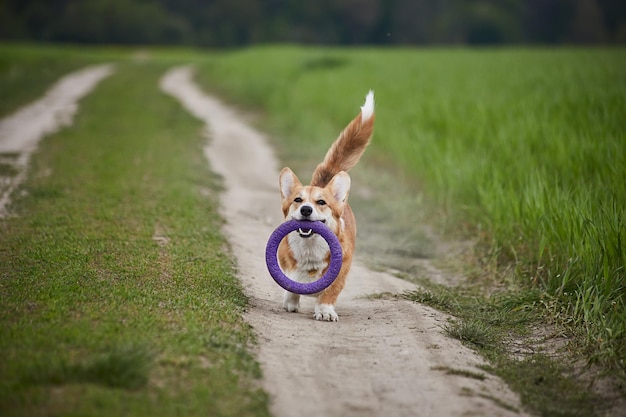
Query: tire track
{"x": 21, "y": 131}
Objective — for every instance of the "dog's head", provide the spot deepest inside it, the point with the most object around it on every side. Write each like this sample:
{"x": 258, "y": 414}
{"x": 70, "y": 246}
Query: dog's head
{"x": 306, "y": 202}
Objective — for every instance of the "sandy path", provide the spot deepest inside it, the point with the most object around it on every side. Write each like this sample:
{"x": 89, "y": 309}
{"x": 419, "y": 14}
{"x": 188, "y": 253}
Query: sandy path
{"x": 21, "y": 131}
{"x": 381, "y": 358}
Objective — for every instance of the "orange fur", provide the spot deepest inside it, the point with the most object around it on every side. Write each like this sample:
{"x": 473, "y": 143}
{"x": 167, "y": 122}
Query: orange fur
{"x": 304, "y": 257}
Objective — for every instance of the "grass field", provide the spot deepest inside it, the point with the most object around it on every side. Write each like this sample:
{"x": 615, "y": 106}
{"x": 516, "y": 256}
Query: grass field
{"x": 26, "y": 72}
{"x": 523, "y": 149}
{"x": 118, "y": 296}
{"x": 114, "y": 301}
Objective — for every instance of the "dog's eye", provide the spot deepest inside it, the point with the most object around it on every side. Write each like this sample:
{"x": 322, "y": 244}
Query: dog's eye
{"x": 321, "y": 202}
{"x": 298, "y": 200}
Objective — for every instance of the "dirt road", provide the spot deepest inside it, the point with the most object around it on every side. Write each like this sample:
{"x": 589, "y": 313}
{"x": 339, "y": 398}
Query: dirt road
{"x": 385, "y": 356}
{"x": 21, "y": 131}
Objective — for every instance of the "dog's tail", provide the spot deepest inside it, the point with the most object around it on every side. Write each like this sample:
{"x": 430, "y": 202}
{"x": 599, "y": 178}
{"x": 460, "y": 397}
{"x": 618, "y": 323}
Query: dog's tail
{"x": 346, "y": 151}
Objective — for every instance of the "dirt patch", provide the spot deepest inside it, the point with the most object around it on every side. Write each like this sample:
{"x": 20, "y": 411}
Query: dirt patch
{"x": 385, "y": 356}
{"x": 21, "y": 132}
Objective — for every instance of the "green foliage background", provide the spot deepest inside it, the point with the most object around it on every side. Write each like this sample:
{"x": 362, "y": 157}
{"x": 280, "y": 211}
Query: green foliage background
{"x": 242, "y": 22}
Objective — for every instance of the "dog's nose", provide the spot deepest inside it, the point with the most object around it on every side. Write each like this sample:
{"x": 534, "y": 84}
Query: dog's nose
{"x": 306, "y": 210}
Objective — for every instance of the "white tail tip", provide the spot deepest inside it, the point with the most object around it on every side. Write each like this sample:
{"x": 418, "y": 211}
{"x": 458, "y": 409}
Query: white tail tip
{"x": 367, "y": 109}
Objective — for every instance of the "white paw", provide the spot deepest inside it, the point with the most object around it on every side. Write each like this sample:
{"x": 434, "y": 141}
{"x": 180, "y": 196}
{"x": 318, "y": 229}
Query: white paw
{"x": 291, "y": 302}
{"x": 325, "y": 312}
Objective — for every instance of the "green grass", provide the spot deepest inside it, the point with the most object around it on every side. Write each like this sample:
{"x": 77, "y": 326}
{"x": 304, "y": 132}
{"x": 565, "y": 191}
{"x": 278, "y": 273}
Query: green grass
{"x": 123, "y": 368}
{"x": 118, "y": 297}
{"x": 522, "y": 149}
{"x": 460, "y": 372}
{"x": 491, "y": 325}
{"x": 27, "y": 71}
{"x": 118, "y": 293}
{"x": 475, "y": 332}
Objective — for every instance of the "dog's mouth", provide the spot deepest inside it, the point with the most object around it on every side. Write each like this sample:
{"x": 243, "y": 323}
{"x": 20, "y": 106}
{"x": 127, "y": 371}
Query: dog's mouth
{"x": 307, "y": 233}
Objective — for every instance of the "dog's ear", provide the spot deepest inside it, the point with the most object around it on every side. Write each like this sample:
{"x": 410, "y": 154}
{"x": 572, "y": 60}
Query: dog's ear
{"x": 339, "y": 186}
{"x": 287, "y": 181}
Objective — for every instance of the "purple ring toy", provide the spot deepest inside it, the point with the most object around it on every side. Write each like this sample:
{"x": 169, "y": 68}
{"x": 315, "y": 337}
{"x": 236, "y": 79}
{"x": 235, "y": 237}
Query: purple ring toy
{"x": 271, "y": 259}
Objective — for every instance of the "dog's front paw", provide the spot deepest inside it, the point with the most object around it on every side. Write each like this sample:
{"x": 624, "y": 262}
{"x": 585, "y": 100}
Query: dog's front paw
{"x": 291, "y": 302}
{"x": 325, "y": 312}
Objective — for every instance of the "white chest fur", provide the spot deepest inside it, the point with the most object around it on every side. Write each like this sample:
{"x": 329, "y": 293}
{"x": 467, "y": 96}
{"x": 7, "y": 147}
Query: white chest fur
{"x": 311, "y": 255}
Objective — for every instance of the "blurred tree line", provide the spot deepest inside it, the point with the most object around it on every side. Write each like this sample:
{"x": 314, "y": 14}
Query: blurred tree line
{"x": 221, "y": 23}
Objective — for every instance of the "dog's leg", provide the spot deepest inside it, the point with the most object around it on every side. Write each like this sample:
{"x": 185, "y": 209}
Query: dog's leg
{"x": 291, "y": 302}
{"x": 325, "y": 305}
{"x": 325, "y": 312}
{"x": 326, "y": 300}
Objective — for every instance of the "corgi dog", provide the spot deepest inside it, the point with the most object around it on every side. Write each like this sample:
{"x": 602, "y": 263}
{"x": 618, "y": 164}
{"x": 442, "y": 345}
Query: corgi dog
{"x": 304, "y": 256}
